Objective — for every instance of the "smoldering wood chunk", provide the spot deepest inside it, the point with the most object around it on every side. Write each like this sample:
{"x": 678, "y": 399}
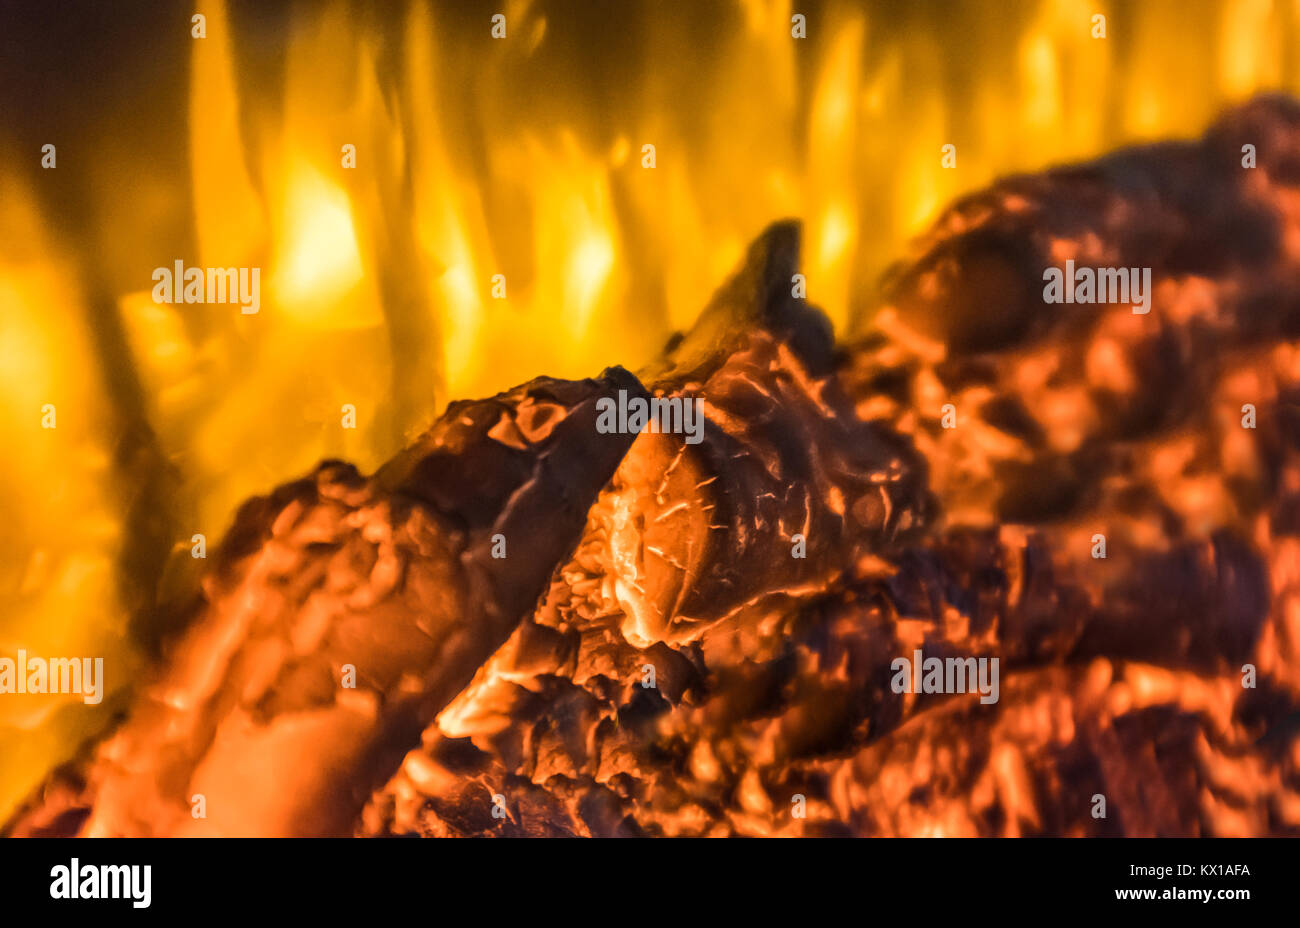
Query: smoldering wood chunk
{"x": 391, "y": 578}
{"x": 1168, "y": 751}
{"x": 758, "y": 297}
{"x": 1066, "y": 408}
{"x": 1201, "y": 604}
{"x": 975, "y": 280}
{"x": 1092, "y": 423}
{"x": 784, "y": 490}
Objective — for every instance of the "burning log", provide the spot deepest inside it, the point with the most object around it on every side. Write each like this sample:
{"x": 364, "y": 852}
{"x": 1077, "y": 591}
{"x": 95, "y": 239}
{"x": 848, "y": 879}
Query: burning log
{"x": 786, "y": 490}
{"x": 1085, "y": 407}
{"x": 1154, "y": 436}
{"x": 341, "y": 614}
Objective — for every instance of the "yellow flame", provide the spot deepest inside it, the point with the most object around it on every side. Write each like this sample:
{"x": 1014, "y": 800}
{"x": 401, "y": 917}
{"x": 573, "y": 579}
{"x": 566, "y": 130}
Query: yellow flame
{"x": 62, "y": 522}
{"x": 319, "y": 260}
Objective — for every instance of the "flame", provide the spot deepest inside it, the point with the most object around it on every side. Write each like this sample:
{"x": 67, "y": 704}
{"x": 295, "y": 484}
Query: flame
{"x": 320, "y": 259}
{"x": 57, "y": 585}
{"x": 523, "y": 158}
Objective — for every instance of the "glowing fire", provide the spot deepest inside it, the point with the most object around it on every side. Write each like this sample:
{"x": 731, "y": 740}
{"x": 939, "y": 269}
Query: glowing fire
{"x": 478, "y": 158}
